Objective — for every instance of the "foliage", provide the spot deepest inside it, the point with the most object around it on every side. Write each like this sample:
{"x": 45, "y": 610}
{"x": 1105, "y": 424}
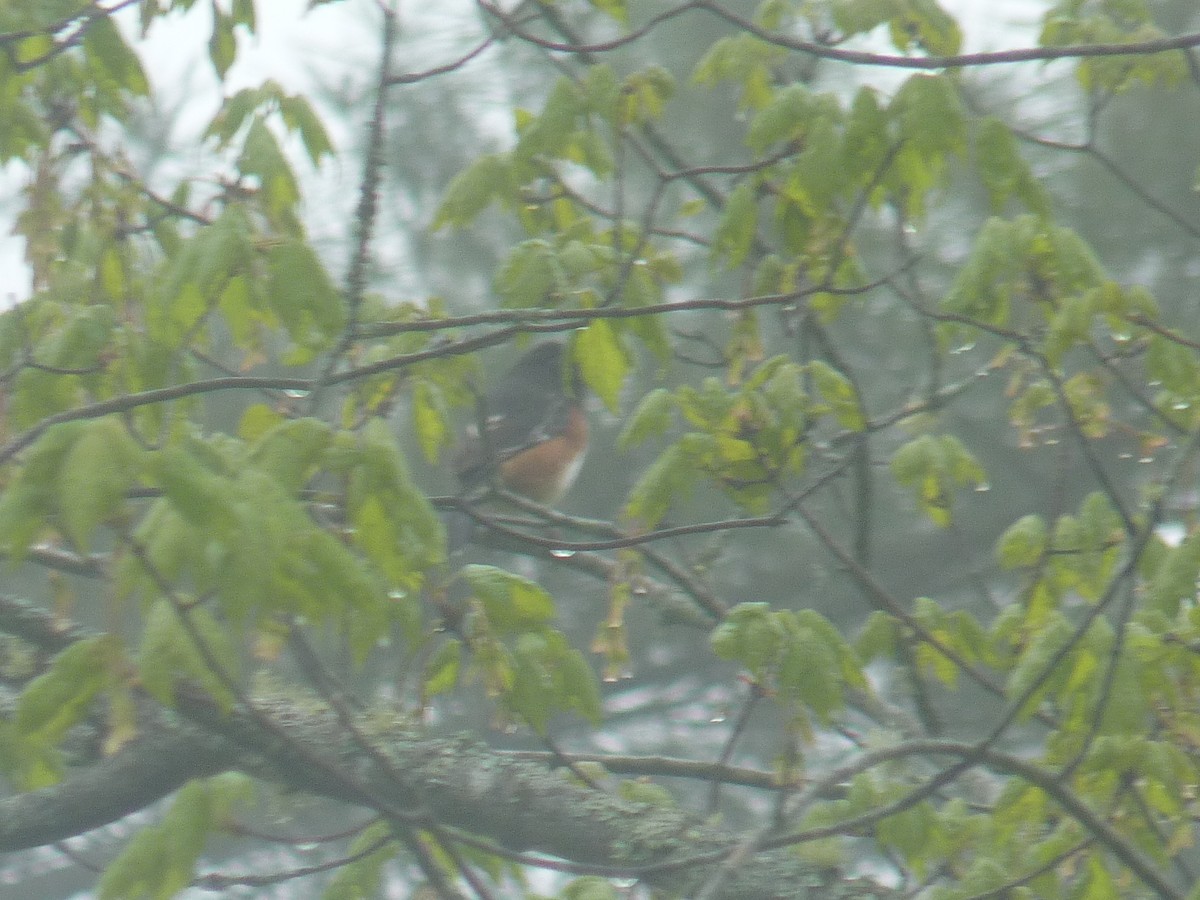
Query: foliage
{"x": 834, "y": 316}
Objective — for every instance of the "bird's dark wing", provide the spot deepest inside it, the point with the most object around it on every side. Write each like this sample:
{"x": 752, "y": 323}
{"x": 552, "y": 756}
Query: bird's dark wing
{"x": 527, "y": 407}
{"x": 477, "y": 458}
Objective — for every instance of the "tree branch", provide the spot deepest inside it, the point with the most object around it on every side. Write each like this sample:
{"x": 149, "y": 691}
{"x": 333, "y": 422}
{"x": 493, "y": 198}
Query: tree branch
{"x": 519, "y": 805}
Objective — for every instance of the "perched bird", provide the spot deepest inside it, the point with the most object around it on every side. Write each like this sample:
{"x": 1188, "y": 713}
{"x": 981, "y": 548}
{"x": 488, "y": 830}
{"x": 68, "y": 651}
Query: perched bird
{"x": 534, "y": 431}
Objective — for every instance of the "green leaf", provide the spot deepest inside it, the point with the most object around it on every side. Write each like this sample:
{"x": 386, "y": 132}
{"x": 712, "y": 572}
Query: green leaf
{"x": 909, "y": 832}
{"x": 615, "y": 9}
{"x": 935, "y": 467}
{"x": 27, "y": 502}
{"x": 299, "y": 116}
{"x": 601, "y": 91}
{"x": 590, "y": 887}
{"x": 169, "y": 652}
{"x": 395, "y": 525}
{"x": 112, "y": 274}
{"x": 549, "y": 133}
{"x": 34, "y": 49}
{"x": 738, "y": 227}
{"x": 473, "y": 190}
{"x": 257, "y": 420}
{"x": 592, "y": 150}
{"x": 931, "y": 115}
{"x": 24, "y": 509}
{"x": 96, "y": 473}
{"x": 928, "y": 25}
{"x": 1125, "y": 708}
{"x": 961, "y": 467}
{"x": 877, "y": 637}
{"x": 1021, "y": 259}
{"x": 291, "y": 451}
{"x": 670, "y": 475}
{"x": 644, "y": 95}
{"x": 784, "y": 390}
{"x": 110, "y": 55}
{"x": 819, "y": 172}
{"x": 745, "y": 59}
{"x": 244, "y": 316}
{"x": 160, "y": 860}
{"x": 1174, "y": 583}
{"x": 802, "y": 655}
{"x": 44, "y": 462}
{"x": 784, "y": 118}
{"x": 550, "y": 676}
{"x": 580, "y": 690}
{"x": 431, "y": 418}
{"x": 837, "y": 391}
{"x": 579, "y": 258}
{"x": 198, "y": 274}
{"x": 172, "y": 545}
{"x": 510, "y": 602}
{"x": 651, "y": 418}
{"x": 86, "y": 338}
{"x": 1174, "y": 366}
{"x": 601, "y": 361}
{"x": 262, "y": 158}
{"x": 203, "y": 497}
{"x": 858, "y": 16}
{"x": 303, "y": 295}
{"x": 275, "y": 557}
{"x": 233, "y": 114}
{"x": 222, "y": 44}
{"x": 60, "y": 697}
{"x": 322, "y": 578}
{"x": 931, "y": 126}
{"x": 441, "y": 672}
{"x": 1023, "y": 543}
{"x": 1033, "y": 671}
{"x": 529, "y": 276}
{"x": 1071, "y": 325}
{"x": 137, "y": 871}
{"x": 243, "y": 14}
{"x": 750, "y": 635}
{"x": 808, "y": 672}
{"x": 1003, "y": 172}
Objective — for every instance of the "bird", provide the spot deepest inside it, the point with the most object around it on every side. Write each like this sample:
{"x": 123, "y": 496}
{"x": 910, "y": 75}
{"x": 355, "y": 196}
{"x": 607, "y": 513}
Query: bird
{"x": 534, "y": 431}
{"x": 529, "y": 437}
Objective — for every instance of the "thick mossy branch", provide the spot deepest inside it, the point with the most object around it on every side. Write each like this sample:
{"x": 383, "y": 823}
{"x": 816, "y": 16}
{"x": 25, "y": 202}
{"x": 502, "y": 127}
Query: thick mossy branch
{"x": 455, "y": 781}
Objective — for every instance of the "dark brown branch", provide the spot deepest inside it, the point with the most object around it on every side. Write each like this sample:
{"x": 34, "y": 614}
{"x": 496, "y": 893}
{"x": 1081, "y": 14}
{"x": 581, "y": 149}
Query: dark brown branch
{"x": 955, "y": 61}
{"x": 127, "y": 402}
{"x": 518, "y": 804}
{"x": 860, "y": 57}
{"x": 215, "y": 881}
{"x": 454, "y": 65}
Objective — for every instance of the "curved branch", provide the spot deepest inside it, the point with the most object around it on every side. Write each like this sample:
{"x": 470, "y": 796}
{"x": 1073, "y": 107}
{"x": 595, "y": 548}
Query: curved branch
{"x": 518, "y": 805}
{"x": 957, "y": 60}
{"x": 860, "y": 57}
{"x": 161, "y": 760}
{"x": 127, "y": 402}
